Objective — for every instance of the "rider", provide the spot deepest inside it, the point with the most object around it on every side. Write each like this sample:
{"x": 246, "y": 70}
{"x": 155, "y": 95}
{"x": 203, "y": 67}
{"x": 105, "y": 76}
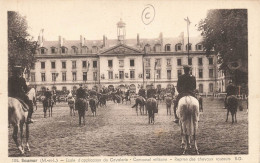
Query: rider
{"x": 17, "y": 88}
{"x": 186, "y": 85}
{"x": 80, "y": 93}
{"x": 151, "y": 93}
{"x": 141, "y": 92}
{"x": 230, "y": 90}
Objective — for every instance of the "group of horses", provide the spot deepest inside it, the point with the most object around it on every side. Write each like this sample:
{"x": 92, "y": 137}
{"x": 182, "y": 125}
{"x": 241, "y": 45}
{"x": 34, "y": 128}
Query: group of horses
{"x": 187, "y": 112}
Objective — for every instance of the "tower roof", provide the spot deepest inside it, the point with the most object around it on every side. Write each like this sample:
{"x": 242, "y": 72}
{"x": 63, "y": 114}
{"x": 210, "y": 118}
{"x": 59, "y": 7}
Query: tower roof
{"x": 121, "y": 24}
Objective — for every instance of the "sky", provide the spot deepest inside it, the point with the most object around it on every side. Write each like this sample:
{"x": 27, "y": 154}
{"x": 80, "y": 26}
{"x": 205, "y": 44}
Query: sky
{"x": 93, "y": 19}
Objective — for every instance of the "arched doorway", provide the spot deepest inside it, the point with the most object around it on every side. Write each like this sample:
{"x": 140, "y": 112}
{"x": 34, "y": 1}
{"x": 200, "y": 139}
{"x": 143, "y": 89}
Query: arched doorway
{"x": 122, "y": 87}
{"x": 54, "y": 88}
{"x": 111, "y": 88}
{"x": 132, "y": 88}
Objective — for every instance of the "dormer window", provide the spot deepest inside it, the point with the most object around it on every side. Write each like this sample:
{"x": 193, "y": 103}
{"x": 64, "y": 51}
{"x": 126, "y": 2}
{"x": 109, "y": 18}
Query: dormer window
{"x": 189, "y": 47}
{"x": 63, "y": 50}
{"x": 199, "y": 47}
{"x": 178, "y": 47}
{"x": 168, "y": 47}
{"x": 42, "y": 51}
{"x": 94, "y": 49}
{"x": 53, "y": 50}
{"x": 74, "y": 49}
{"x": 84, "y": 49}
{"x": 147, "y": 48}
{"x": 157, "y": 47}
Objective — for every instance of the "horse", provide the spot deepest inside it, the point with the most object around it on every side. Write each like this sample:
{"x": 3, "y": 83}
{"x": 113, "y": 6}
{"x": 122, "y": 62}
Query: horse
{"x": 168, "y": 102}
{"x": 141, "y": 102}
{"x": 125, "y": 98}
{"x": 93, "y": 105}
{"x": 82, "y": 106}
{"x": 71, "y": 103}
{"x": 232, "y": 104}
{"x": 152, "y": 107}
{"x": 17, "y": 116}
{"x": 47, "y": 105}
{"x": 188, "y": 113}
{"x": 102, "y": 101}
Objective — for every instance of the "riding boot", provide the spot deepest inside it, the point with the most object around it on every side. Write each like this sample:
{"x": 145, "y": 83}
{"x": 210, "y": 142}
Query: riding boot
{"x": 30, "y": 111}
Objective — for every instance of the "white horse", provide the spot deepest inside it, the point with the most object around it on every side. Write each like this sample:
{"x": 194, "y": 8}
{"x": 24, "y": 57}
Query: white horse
{"x": 188, "y": 113}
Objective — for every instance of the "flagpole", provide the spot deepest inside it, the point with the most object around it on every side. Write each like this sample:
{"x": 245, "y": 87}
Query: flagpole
{"x": 188, "y": 38}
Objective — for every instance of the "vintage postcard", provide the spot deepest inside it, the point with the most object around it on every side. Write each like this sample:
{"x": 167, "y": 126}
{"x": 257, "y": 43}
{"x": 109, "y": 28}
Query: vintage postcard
{"x": 129, "y": 81}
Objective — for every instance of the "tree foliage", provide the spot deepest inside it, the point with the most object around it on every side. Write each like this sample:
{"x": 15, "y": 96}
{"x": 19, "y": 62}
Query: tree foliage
{"x": 226, "y": 31}
{"x": 21, "y": 48}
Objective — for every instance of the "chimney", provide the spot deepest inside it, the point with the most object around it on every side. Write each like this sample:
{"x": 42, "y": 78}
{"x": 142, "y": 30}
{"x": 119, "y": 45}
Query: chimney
{"x": 104, "y": 41}
{"x": 81, "y": 41}
{"x": 40, "y": 41}
{"x": 161, "y": 38}
{"x": 60, "y": 43}
{"x": 138, "y": 40}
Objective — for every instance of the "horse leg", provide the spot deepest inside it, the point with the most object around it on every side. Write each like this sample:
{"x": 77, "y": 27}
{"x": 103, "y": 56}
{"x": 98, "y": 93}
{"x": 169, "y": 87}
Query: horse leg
{"x": 15, "y": 137}
{"x": 79, "y": 117}
{"x": 170, "y": 109}
{"x": 84, "y": 123}
{"x": 27, "y": 137}
{"x": 21, "y": 136}
{"x": 136, "y": 108}
{"x": 236, "y": 117}
{"x": 227, "y": 114}
{"x": 195, "y": 143}
{"x": 232, "y": 114}
{"x": 186, "y": 144}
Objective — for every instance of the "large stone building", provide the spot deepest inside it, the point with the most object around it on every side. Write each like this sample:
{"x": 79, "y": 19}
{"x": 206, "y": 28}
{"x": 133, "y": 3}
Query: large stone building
{"x": 64, "y": 64}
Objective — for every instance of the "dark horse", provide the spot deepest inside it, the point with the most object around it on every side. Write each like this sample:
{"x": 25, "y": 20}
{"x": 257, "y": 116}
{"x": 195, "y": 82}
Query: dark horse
{"x": 82, "y": 106}
{"x": 93, "y": 105}
{"x": 152, "y": 107}
{"x": 47, "y": 105}
{"x": 141, "y": 102}
{"x": 232, "y": 104}
{"x": 17, "y": 116}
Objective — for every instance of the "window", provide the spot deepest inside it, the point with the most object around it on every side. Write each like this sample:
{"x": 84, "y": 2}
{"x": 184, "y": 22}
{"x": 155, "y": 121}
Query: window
{"x": 121, "y": 63}
{"x": 42, "y": 65}
{"x": 189, "y": 47}
{"x": 147, "y": 48}
{"x": 157, "y": 48}
{"x": 110, "y": 74}
{"x": 84, "y": 76}
{"x": 169, "y": 74}
{"x": 94, "y": 49}
{"x": 53, "y": 66}
{"x": 200, "y": 73}
{"x": 63, "y": 65}
{"x": 200, "y": 61}
{"x": 179, "y": 62}
{"x": 33, "y": 66}
{"x": 110, "y": 63}
{"x": 190, "y": 61}
{"x": 210, "y": 61}
{"x": 200, "y": 88}
{"x": 52, "y": 50}
{"x": 168, "y": 62}
{"x": 74, "y": 65}
{"x": 132, "y": 74}
{"x": 43, "y": 76}
{"x": 42, "y": 50}
{"x": 53, "y": 76}
{"x": 147, "y": 62}
{"x": 158, "y": 62}
{"x": 74, "y": 49}
{"x": 199, "y": 47}
{"x": 74, "y": 76}
{"x": 211, "y": 73}
{"x": 95, "y": 76}
{"x": 147, "y": 72}
{"x": 84, "y": 64}
{"x": 32, "y": 77}
{"x": 132, "y": 62}
{"x": 64, "y": 76}
{"x": 63, "y": 50}
{"x": 179, "y": 72}
{"x": 158, "y": 74}
{"x": 210, "y": 87}
{"x": 168, "y": 47}
{"x": 94, "y": 64}
{"x": 178, "y": 47}
{"x": 121, "y": 74}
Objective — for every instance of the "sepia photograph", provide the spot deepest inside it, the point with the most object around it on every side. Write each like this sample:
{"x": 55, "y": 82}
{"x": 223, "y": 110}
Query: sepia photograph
{"x": 133, "y": 81}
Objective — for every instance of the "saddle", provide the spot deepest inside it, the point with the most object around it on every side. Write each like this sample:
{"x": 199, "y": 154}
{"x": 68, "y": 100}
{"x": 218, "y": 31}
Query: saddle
{"x": 25, "y": 106}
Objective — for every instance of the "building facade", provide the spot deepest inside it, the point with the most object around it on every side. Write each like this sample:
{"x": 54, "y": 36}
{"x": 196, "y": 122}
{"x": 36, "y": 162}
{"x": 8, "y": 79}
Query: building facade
{"x": 121, "y": 62}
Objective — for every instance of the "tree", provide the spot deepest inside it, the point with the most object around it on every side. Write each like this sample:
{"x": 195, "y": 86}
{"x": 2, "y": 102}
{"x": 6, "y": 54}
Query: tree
{"x": 225, "y": 30}
{"x": 21, "y": 48}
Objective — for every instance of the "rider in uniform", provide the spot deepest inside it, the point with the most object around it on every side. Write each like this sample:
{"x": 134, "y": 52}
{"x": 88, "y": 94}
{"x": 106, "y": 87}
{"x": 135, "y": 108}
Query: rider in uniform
{"x": 151, "y": 93}
{"x": 186, "y": 85}
{"x": 230, "y": 90}
{"x": 17, "y": 88}
{"x": 141, "y": 92}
